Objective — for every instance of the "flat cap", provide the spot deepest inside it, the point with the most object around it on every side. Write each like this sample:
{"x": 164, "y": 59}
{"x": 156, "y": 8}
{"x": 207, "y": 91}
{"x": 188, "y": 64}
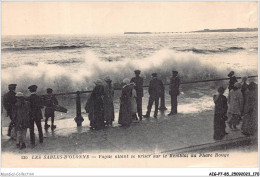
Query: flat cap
{"x": 137, "y": 71}
{"x": 154, "y": 74}
{"x": 49, "y": 90}
{"x": 174, "y": 72}
{"x": 12, "y": 85}
{"x": 32, "y": 87}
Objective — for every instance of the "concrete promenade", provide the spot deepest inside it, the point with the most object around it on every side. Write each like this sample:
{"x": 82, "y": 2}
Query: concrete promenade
{"x": 178, "y": 133}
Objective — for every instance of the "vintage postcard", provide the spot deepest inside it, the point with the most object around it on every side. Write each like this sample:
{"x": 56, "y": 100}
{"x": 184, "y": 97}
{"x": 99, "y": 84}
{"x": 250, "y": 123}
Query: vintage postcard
{"x": 129, "y": 84}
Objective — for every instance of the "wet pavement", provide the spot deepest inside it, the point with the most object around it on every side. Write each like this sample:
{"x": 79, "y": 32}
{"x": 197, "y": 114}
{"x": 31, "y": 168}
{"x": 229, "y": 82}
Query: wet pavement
{"x": 148, "y": 136}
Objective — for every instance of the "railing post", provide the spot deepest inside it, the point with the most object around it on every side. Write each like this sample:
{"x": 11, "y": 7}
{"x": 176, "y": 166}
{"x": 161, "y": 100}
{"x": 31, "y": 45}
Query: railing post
{"x": 78, "y": 119}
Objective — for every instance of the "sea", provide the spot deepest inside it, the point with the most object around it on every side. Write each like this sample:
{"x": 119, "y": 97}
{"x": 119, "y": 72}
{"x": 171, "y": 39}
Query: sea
{"x": 68, "y": 63}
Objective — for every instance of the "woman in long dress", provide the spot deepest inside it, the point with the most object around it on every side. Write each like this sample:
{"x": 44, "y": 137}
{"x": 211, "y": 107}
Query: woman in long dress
{"x": 249, "y": 126}
{"x": 95, "y": 106}
{"x": 109, "y": 114}
{"x": 235, "y": 107}
{"x": 125, "y": 113}
{"x": 220, "y": 114}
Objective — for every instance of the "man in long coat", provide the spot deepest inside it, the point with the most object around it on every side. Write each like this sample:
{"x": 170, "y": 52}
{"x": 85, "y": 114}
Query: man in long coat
{"x": 9, "y": 100}
{"x": 155, "y": 91}
{"x": 174, "y": 92}
{"x": 139, "y": 92}
{"x": 36, "y": 114}
{"x": 109, "y": 114}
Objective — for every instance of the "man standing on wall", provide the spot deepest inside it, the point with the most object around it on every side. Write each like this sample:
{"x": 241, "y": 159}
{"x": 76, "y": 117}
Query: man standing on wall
{"x": 174, "y": 92}
{"x": 139, "y": 92}
{"x": 36, "y": 114}
{"x": 155, "y": 92}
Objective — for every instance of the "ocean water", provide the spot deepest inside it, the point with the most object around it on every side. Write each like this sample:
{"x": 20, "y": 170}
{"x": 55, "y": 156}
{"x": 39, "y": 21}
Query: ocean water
{"x": 71, "y": 63}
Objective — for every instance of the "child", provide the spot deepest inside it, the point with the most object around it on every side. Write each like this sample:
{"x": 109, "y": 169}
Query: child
{"x": 220, "y": 114}
{"x": 21, "y": 111}
{"x": 50, "y": 101}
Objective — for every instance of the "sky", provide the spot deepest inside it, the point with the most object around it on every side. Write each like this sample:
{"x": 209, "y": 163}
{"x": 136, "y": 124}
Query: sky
{"x": 41, "y": 18}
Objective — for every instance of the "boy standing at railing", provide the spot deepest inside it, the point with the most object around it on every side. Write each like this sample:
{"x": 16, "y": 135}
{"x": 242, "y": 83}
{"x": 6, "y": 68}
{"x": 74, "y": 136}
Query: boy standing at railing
{"x": 50, "y": 100}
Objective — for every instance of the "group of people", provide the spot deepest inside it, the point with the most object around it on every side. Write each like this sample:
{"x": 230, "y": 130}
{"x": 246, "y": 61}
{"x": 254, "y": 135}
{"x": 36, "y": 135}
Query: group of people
{"x": 24, "y": 112}
{"x": 100, "y": 107}
{"x": 241, "y": 105}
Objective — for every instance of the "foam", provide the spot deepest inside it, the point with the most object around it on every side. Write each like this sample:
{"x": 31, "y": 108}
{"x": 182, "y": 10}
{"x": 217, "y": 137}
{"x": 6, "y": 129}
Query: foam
{"x": 81, "y": 77}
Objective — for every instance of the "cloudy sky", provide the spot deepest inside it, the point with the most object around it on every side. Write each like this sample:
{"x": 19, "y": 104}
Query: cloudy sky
{"x": 27, "y": 18}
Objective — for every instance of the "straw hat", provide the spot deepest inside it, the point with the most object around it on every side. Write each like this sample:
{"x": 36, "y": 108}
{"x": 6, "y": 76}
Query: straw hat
{"x": 19, "y": 94}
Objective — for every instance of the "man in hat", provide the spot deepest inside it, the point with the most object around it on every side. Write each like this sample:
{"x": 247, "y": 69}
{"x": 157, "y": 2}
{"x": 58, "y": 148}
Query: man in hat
{"x": 232, "y": 80}
{"x": 9, "y": 100}
{"x": 36, "y": 114}
{"x": 155, "y": 91}
{"x": 139, "y": 92}
{"x": 49, "y": 101}
{"x": 174, "y": 92}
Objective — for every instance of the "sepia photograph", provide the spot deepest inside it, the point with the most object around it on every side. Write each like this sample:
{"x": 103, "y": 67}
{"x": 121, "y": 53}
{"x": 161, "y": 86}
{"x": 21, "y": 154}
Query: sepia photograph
{"x": 129, "y": 84}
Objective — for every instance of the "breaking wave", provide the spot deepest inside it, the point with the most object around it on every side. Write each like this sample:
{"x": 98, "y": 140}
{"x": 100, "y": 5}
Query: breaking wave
{"x": 81, "y": 77}
{"x": 58, "y": 47}
{"x": 208, "y": 51}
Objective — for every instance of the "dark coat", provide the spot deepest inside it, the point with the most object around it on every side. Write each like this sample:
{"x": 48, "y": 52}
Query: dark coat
{"x": 49, "y": 102}
{"x": 156, "y": 88}
{"x": 139, "y": 86}
{"x": 174, "y": 86}
{"x": 109, "y": 114}
{"x": 249, "y": 125}
{"x": 21, "y": 114}
{"x": 8, "y": 102}
{"x": 36, "y": 106}
{"x": 125, "y": 114}
{"x": 220, "y": 116}
{"x": 98, "y": 107}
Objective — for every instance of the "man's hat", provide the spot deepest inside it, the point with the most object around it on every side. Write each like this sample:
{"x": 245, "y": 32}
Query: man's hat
{"x": 49, "y": 90}
{"x": 174, "y": 72}
{"x": 154, "y": 74}
{"x": 19, "y": 94}
{"x": 137, "y": 71}
{"x": 231, "y": 73}
{"x": 32, "y": 88}
{"x": 12, "y": 85}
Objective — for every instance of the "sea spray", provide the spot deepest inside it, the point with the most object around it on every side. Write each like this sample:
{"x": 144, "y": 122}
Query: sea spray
{"x": 66, "y": 79}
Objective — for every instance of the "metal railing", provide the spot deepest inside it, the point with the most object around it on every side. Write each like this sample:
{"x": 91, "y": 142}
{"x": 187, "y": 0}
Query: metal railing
{"x": 79, "y": 119}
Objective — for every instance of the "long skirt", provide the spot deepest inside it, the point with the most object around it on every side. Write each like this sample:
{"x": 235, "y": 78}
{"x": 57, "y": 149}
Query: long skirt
{"x": 125, "y": 114}
{"x": 219, "y": 126}
{"x": 249, "y": 125}
{"x": 109, "y": 114}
